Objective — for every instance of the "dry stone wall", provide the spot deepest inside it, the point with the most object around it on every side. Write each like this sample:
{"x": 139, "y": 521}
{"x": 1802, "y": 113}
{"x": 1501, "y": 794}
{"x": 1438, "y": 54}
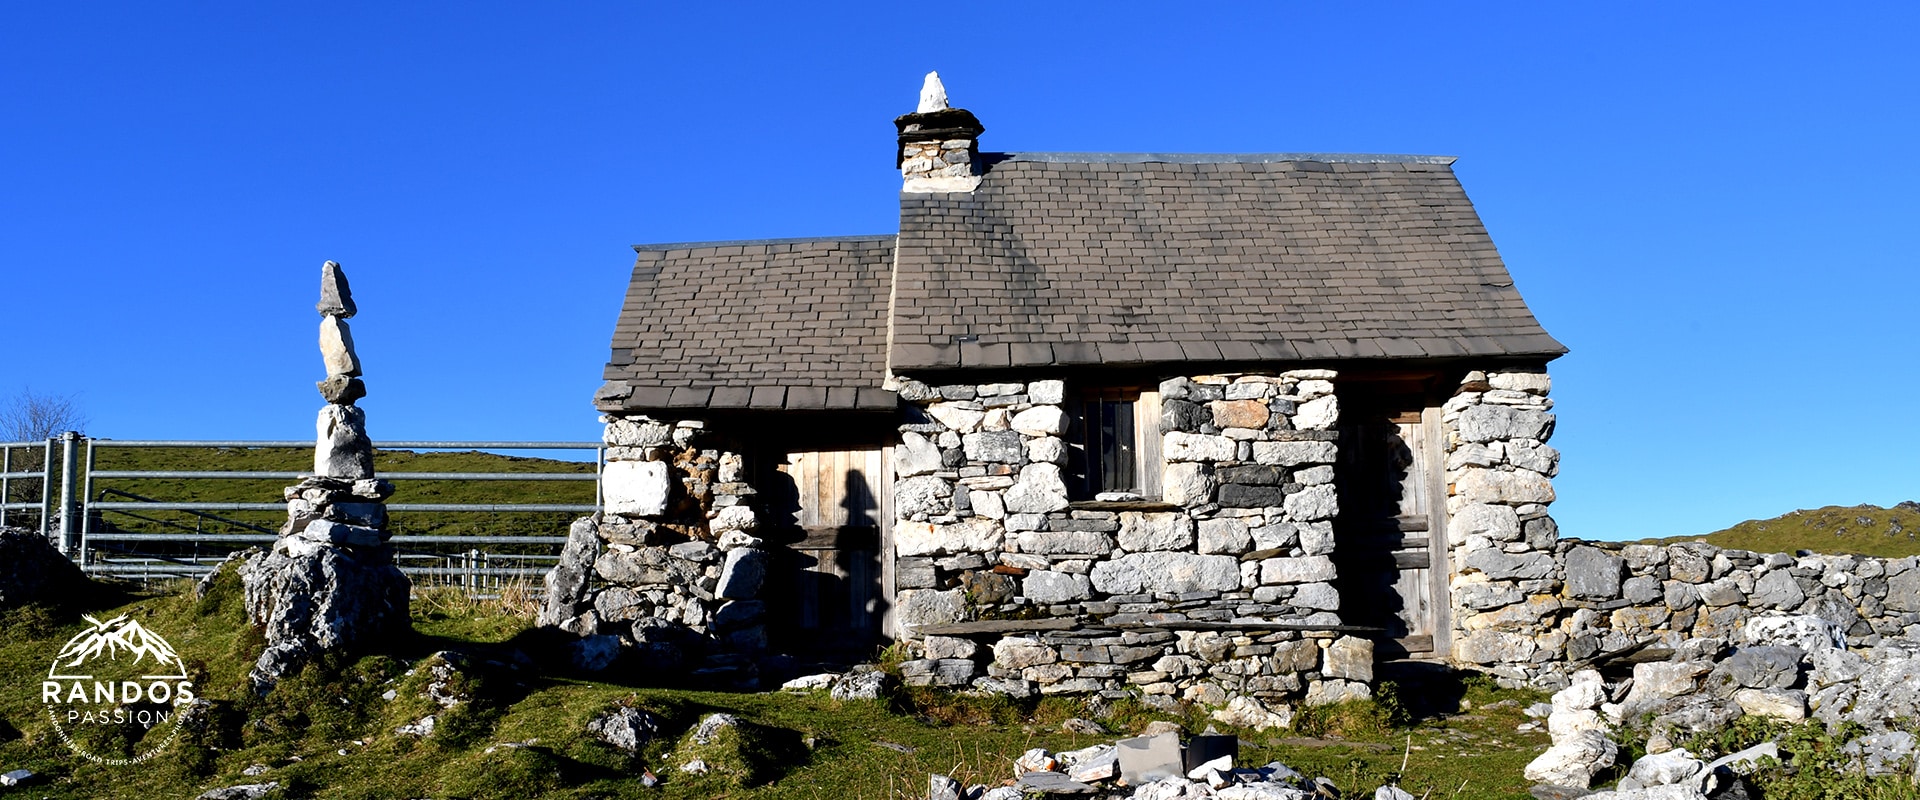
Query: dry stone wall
{"x": 1220, "y": 588}
{"x": 670, "y": 573}
{"x": 1505, "y": 580}
{"x": 1528, "y": 606}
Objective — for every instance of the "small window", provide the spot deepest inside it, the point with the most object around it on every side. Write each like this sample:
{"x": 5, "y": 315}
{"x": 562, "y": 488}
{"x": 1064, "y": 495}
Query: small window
{"x": 1114, "y": 443}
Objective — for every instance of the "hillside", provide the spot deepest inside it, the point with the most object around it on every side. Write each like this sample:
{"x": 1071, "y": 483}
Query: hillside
{"x": 1865, "y": 530}
{"x": 231, "y": 459}
{"x": 519, "y": 728}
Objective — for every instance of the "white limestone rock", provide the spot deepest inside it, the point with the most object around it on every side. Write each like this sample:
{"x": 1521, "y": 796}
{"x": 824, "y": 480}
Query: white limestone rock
{"x": 1574, "y": 761}
{"x": 1187, "y": 484}
{"x": 971, "y": 535}
{"x": 1489, "y": 423}
{"x": 1248, "y": 712}
{"x": 1317, "y": 415}
{"x": 341, "y": 447}
{"x": 1166, "y": 573}
{"x": 1496, "y": 486}
{"x": 1289, "y": 454}
{"x": 1038, "y": 491}
{"x": 961, "y": 417}
{"x": 1040, "y": 421}
{"x": 1144, "y": 531}
{"x": 933, "y": 95}
{"x": 336, "y": 347}
{"x": 1181, "y": 446}
{"x": 1043, "y": 586}
{"x": 1313, "y": 503}
{"x": 916, "y": 455}
{"x": 638, "y": 488}
{"x": 1308, "y": 569}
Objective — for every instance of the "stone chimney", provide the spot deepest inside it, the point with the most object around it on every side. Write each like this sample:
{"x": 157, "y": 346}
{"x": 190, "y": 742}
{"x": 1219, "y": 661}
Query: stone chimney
{"x": 939, "y": 146}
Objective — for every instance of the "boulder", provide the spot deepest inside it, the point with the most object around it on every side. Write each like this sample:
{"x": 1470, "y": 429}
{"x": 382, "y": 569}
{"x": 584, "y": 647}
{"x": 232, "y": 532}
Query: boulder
{"x": 1573, "y": 761}
{"x": 625, "y": 728}
{"x": 32, "y": 571}
{"x": 321, "y": 598}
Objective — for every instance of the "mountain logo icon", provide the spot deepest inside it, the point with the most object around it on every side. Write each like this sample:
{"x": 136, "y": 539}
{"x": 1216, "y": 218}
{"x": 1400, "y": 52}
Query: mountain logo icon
{"x": 115, "y": 639}
{"x": 114, "y": 691}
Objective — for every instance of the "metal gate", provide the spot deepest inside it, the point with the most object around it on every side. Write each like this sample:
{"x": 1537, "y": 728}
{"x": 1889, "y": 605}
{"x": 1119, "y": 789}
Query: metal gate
{"x": 89, "y": 523}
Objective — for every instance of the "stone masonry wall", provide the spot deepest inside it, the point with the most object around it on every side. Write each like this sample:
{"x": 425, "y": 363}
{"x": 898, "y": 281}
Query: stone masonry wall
{"x": 1527, "y": 605}
{"x": 670, "y": 573}
{"x": 1499, "y": 470}
{"x": 1616, "y": 595}
{"x": 1221, "y": 588}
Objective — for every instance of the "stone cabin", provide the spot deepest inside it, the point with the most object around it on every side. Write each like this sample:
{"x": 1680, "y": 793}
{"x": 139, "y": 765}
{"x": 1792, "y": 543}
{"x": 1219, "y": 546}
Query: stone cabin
{"x": 1189, "y": 426}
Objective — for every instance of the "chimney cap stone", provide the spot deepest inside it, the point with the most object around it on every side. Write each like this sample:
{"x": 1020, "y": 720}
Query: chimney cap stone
{"x": 933, "y": 95}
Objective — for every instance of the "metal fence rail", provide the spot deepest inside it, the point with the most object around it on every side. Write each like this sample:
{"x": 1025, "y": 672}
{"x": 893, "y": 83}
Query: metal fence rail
{"x": 74, "y": 523}
{"x": 15, "y": 470}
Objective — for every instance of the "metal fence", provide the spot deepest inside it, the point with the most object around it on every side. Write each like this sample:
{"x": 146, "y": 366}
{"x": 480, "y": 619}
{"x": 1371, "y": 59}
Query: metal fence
{"x": 18, "y": 478}
{"x": 89, "y": 525}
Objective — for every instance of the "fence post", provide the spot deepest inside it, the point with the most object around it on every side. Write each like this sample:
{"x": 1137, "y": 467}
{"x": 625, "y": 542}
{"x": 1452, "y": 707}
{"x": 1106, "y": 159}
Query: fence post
{"x": 46, "y": 488}
{"x": 6, "y": 483}
{"x": 69, "y": 470}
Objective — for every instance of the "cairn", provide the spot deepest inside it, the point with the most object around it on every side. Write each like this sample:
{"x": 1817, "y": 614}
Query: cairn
{"x": 329, "y": 583}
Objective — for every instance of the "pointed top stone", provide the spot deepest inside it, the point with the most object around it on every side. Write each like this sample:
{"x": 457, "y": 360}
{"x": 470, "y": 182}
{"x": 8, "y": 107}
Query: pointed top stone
{"x": 933, "y": 95}
{"x": 336, "y": 300}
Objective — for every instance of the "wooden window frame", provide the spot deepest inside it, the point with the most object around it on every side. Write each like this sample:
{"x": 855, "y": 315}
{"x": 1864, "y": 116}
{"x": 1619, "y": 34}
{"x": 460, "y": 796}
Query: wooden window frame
{"x": 1147, "y": 463}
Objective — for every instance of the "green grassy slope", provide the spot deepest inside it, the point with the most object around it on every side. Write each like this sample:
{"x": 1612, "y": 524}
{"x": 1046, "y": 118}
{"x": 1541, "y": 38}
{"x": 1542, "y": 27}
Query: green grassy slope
{"x": 330, "y": 733}
{"x": 281, "y": 460}
{"x": 1866, "y": 530}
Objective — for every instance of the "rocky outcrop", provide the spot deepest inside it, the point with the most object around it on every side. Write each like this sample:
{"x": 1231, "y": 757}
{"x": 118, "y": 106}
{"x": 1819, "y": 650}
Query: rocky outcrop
{"x": 32, "y": 571}
{"x": 329, "y": 582}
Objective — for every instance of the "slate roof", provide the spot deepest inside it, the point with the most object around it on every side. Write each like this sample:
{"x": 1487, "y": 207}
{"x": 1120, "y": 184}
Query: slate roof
{"x": 777, "y": 324}
{"x": 1081, "y": 259}
{"x": 1141, "y": 259}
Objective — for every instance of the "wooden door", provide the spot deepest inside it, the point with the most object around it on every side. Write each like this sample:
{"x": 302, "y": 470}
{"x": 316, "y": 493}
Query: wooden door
{"x": 1390, "y": 542}
{"x": 837, "y": 587}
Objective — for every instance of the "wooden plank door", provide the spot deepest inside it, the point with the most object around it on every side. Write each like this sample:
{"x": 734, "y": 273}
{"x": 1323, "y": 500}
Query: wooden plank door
{"x": 842, "y": 577}
{"x": 1389, "y": 535}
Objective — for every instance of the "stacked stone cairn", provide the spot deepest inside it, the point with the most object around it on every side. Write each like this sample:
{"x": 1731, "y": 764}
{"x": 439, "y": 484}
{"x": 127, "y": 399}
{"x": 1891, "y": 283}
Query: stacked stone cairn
{"x": 1220, "y": 589}
{"x": 1777, "y": 666}
{"x": 670, "y": 573}
{"x": 329, "y": 583}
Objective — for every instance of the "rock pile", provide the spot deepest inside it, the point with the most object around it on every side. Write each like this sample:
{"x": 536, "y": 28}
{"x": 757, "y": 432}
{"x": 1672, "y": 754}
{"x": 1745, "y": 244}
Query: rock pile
{"x": 1781, "y": 667}
{"x": 671, "y": 572}
{"x": 329, "y": 583}
{"x": 1152, "y": 767}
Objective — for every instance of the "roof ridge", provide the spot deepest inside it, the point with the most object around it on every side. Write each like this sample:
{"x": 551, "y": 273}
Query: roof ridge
{"x": 642, "y": 248}
{"x": 1220, "y": 158}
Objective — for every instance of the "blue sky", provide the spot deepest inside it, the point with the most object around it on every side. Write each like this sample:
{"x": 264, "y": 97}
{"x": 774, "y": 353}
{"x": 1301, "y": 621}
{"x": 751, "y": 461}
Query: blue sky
{"x": 1712, "y": 204}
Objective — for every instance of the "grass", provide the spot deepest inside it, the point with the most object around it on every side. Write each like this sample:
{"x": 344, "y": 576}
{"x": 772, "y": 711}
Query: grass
{"x": 522, "y": 733}
{"x": 1864, "y": 530}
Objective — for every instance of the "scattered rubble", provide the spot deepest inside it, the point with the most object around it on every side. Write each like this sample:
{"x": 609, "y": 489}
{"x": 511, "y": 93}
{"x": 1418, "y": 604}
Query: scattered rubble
{"x": 1151, "y": 767}
{"x": 1784, "y": 667}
